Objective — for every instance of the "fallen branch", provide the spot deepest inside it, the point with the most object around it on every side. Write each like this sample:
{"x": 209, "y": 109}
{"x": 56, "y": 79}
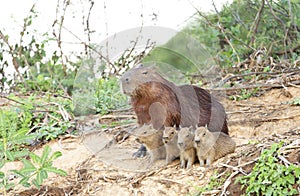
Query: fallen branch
{"x": 258, "y": 73}
{"x": 227, "y": 182}
{"x": 253, "y": 86}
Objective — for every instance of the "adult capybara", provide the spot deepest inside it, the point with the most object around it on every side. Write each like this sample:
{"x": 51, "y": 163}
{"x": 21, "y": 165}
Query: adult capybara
{"x": 153, "y": 98}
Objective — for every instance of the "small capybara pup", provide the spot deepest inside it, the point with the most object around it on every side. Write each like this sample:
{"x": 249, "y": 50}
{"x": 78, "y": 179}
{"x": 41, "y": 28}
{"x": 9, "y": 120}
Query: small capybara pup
{"x": 211, "y": 146}
{"x": 152, "y": 139}
{"x": 186, "y": 146}
{"x": 170, "y": 138}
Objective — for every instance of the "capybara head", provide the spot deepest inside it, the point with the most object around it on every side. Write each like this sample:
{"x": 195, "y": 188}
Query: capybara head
{"x": 185, "y": 138}
{"x": 168, "y": 134}
{"x": 200, "y": 135}
{"x": 147, "y": 135}
{"x": 137, "y": 76}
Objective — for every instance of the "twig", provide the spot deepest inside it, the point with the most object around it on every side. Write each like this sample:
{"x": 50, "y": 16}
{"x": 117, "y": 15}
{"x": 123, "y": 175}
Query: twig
{"x": 264, "y": 120}
{"x": 258, "y": 73}
{"x": 283, "y": 25}
{"x": 256, "y": 22}
{"x": 109, "y": 116}
{"x": 12, "y": 53}
{"x": 252, "y": 86}
{"x": 10, "y": 99}
{"x": 223, "y": 32}
{"x": 284, "y": 160}
{"x": 58, "y": 37}
{"x": 227, "y": 182}
{"x": 238, "y": 168}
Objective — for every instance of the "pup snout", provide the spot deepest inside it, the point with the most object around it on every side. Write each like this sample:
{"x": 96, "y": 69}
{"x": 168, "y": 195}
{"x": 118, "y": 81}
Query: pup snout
{"x": 197, "y": 141}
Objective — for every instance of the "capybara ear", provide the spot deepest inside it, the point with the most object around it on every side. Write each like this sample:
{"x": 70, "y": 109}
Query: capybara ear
{"x": 191, "y": 128}
{"x": 174, "y": 126}
{"x": 150, "y": 125}
{"x": 206, "y": 126}
{"x": 180, "y": 126}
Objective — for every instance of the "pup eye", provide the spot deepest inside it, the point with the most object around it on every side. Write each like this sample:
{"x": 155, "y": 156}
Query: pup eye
{"x": 145, "y": 132}
{"x": 187, "y": 135}
{"x": 145, "y": 72}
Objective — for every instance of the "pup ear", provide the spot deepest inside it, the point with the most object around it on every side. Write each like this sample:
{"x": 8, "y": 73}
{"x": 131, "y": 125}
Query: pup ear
{"x": 206, "y": 126}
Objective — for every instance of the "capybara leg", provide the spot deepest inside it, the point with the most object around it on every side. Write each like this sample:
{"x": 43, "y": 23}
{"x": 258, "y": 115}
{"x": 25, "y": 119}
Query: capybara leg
{"x": 208, "y": 162}
{"x": 182, "y": 161}
{"x": 168, "y": 159}
{"x": 201, "y": 161}
{"x": 141, "y": 152}
{"x": 189, "y": 164}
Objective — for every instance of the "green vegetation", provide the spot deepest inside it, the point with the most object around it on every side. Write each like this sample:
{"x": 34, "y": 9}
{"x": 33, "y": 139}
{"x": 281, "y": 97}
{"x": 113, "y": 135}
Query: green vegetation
{"x": 36, "y": 170}
{"x": 270, "y": 177}
{"x": 109, "y": 96}
{"x": 32, "y": 120}
{"x": 241, "y": 28}
{"x": 214, "y": 183}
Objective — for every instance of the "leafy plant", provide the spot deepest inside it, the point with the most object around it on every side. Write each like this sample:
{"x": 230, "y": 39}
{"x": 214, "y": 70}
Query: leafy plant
{"x": 245, "y": 94}
{"x": 109, "y": 95}
{"x": 36, "y": 170}
{"x": 214, "y": 182}
{"x": 243, "y": 26}
{"x": 269, "y": 177}
{"x": 22, "y": 126}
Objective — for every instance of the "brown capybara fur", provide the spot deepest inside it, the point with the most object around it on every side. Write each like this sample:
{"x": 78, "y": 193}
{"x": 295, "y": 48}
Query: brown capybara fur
{"x": 186, "y": 147}
{"x": 170, "y": 138}
{"x": 185, "y": 105}
{"x": 152, "y": 139}
{"x": 211, "y": 146}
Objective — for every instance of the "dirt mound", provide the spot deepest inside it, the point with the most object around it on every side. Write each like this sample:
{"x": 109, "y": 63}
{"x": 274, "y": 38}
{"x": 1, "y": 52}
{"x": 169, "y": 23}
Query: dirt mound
{"x": 100, "y": 162}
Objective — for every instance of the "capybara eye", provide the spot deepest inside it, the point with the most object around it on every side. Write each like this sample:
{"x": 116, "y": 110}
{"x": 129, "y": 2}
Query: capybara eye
{"x": 144, "y": 72}
{"x": 187, "y": 135}
{"x": 145, "y": 132}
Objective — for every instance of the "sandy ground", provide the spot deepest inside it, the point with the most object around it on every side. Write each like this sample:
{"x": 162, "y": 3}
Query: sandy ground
{"x": 98, "y": 166}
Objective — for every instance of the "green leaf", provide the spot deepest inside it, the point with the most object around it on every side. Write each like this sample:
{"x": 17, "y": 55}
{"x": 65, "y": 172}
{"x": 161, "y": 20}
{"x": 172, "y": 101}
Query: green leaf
{"x": 290, "y": 178}
{"x": 25, "y": 171}
{"x": 45, "y": 154}
{"x": 55, "y": 155}
{"x": 44, "y": 174}
{"x": 24, "y": 181}
{"x": 55, "y": 170}
{"x": 28, "y": 164}
{"x": 2, "y": 175}
{"x": 35, "y": 183}
{"x": 35, "y": 158}
{"x": 39, "y": 178}
{"x": 9, "y": 155}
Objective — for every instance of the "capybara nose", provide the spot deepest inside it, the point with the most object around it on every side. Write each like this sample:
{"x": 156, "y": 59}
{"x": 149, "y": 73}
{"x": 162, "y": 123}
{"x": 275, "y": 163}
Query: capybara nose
{"x": 180, "y": 144}
{"x": 197, "y": 141}
{"x": 165, "y": 140}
